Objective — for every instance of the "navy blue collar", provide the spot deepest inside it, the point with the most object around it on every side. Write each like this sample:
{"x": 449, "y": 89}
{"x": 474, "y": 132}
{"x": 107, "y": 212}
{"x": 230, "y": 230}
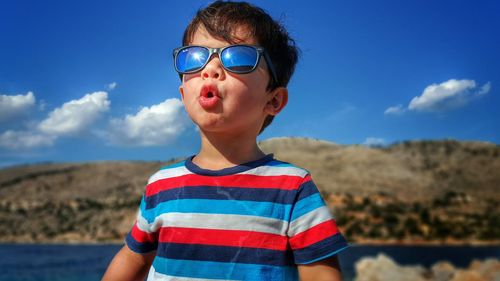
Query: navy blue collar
{"x": 227, "y": 171}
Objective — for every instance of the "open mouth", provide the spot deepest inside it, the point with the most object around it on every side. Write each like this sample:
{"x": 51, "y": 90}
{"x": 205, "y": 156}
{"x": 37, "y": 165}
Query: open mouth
{"x": 209, "y": 97}
{"x": 209, "y": 91}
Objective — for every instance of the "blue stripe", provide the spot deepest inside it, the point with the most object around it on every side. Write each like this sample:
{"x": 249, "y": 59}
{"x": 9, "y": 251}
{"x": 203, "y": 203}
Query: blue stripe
{"x": 221, "y": 270}
{"x": 233, "y": 207}
{"x": 220, "y": 193}
{"x": 306, "y": 189}
{"x": 322, "y": 249}
{"x": 277, "y": 163}
{"x": 138, "y": 247}
{"x": 175, "y": 165}
{"x": 224, "y": 254}
{"x": 307, "y": 205}
{"x": 146, "y": 213}
{"x": 327, "y": 255}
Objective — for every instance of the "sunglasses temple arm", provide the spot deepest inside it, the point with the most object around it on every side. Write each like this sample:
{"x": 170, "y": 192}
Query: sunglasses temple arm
{"x": 271, "y": 67}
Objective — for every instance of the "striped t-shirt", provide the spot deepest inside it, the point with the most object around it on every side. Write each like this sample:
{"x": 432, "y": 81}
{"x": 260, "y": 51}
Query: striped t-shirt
{"x": 254, "y": 221}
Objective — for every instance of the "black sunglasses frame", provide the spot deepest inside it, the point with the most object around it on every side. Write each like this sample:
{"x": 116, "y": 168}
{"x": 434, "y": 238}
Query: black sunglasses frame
{"x": 261, "y": 53}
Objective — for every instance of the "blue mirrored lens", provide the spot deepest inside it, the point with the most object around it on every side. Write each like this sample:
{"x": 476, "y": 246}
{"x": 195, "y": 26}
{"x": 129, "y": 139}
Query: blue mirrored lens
{"x": 239, "y": 58}
{"x": 191, "y": 59}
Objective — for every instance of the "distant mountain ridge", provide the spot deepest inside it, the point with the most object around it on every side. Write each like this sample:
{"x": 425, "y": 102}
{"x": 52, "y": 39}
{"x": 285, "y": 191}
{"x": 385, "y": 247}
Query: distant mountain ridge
{"x": 97, "y": 202}
{"x": 419, "y": 169}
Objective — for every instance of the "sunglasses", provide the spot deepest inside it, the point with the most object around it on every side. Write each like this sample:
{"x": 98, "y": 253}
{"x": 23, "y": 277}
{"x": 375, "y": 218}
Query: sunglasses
{"x": 235, "y": 58}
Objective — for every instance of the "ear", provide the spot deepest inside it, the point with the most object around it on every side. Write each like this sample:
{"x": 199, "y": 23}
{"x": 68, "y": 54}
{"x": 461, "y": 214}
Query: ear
{"x": 277, "y": 100}
{"x": 181, "y": 90}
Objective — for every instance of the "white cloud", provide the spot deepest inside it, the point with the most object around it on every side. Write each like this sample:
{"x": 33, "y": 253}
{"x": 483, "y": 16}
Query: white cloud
{"x": 447, "y": 95}
{"x": 15, "y": 104}
{"x": 371, "y": 141}
{"x": 111, "y": 86}
{"x": 396, "y": 110}
{"x": 75, "y": 116}
{"x": 155, "y": 125}
{"x": 71, "y": 118}
{"x": 484, "y": 89}
{"x": 25, "y": 139}
{"x": 150, "y": 126}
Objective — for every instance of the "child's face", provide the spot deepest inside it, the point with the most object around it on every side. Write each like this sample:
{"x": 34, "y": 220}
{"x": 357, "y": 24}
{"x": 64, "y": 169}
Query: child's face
{"x": 222, "y": 101}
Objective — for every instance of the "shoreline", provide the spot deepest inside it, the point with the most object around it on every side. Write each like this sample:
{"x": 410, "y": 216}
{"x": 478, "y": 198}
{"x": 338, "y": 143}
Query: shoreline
{"x": 369, "y": 243}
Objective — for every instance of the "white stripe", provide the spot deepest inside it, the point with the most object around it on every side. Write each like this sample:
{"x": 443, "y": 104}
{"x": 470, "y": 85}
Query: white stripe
{"x": 276, "y": 171}
{"x": 144, "y": 226}
{"x": 215, "y": 221}
{"x": 156, "y": 276}
{"x": 309, "y": 220}
{"x": 169, "y": 173}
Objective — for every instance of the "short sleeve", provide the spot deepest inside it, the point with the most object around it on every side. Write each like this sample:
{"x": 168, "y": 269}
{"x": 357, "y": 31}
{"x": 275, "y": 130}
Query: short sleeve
{"x": 143, "y": 238}
{"x": 312, "y": 232}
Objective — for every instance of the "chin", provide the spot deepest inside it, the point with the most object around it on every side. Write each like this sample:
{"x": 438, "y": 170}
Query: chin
{"x": 209, "y": 125}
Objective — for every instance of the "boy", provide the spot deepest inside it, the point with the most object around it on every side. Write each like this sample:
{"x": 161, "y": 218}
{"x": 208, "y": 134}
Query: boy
{"x": 231, "y": 212}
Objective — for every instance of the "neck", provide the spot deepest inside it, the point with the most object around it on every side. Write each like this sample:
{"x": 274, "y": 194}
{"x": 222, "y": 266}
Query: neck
{"x": 219, "y": 152}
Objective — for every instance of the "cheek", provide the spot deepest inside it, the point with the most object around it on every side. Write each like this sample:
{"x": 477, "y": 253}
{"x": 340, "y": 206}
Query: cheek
{"x": 247, "y": 102}
{"x": 257, "y": 92}
{"x": 189, "y": 90}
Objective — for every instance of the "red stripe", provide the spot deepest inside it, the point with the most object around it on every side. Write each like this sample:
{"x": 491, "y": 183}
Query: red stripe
{"x": 314, "y": 234}
{"x": 307, "y": 178}
{"x": 236, "y": 238}
{"x": 244, "y": 181}
{"x": 141, "y": 236}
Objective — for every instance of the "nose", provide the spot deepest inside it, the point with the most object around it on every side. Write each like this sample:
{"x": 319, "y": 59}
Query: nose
{"x": 213, "y": 69}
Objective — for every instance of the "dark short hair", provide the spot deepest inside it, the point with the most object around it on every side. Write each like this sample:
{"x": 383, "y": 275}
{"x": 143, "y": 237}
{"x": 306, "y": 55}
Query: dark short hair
{"x": 222, "y": 18}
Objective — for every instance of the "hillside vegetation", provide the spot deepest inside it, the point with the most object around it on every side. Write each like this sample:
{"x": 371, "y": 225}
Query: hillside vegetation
{"x": 409, "y": 171}
{"x": 410, "y": 192}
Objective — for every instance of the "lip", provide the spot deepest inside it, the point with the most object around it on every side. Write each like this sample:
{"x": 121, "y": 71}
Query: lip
{"x": 209, "y": 96}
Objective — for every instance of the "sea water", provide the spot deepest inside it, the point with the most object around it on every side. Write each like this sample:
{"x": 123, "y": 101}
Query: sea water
{"x": 41, "y": 262}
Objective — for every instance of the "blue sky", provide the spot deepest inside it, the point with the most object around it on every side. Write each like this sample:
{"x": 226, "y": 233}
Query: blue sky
{"x": 93, "y": 80}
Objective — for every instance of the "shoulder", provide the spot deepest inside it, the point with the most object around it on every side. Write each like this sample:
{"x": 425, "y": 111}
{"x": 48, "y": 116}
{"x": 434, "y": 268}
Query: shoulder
{"x": 277, "y": 167}
{"x": 176, "y": 169}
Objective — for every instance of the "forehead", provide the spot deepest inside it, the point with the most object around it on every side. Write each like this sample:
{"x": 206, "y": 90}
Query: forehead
{"x": 240, "y": 35}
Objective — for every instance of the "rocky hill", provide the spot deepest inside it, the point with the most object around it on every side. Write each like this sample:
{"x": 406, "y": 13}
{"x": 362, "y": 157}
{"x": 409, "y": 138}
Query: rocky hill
{"x": 409, "y": 170}
{"x": 418, "y": 191}
{"x": 383, "y": 267}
